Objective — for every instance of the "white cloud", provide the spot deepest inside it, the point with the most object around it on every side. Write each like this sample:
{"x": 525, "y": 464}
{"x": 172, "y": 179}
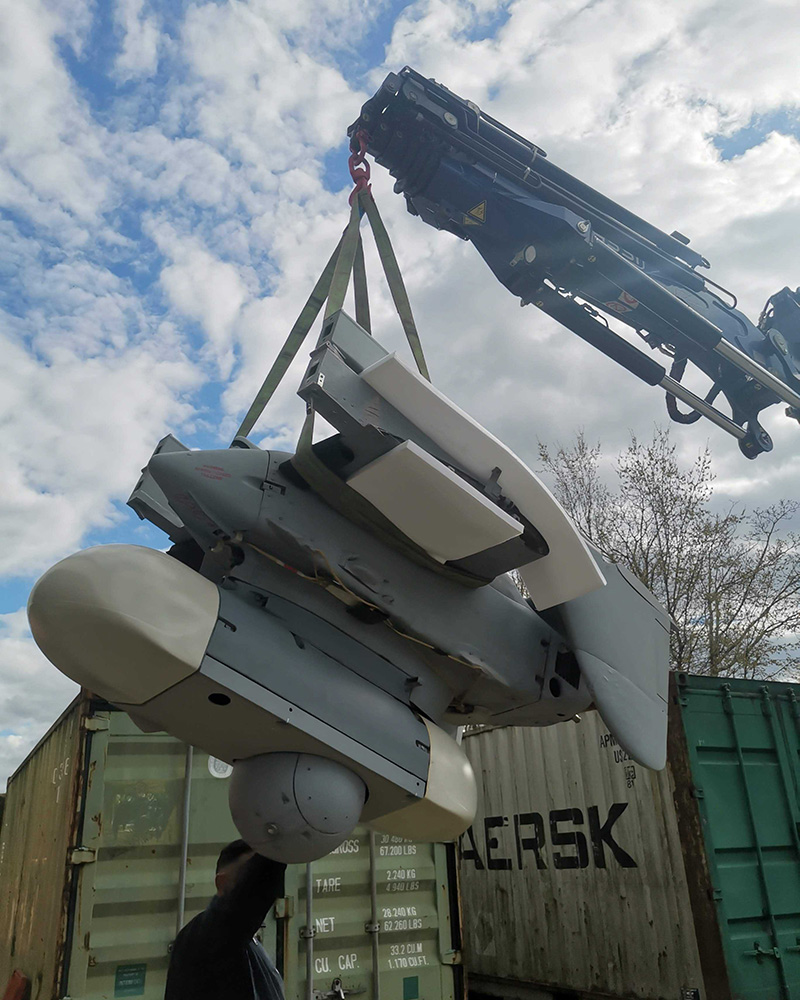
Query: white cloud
{"x": 269, "y": 106}
{"x": 141, "y": 35}
{"x": 52, "y": 156}
{"x": 78, "y": 431}
{"x": 75, "y": 19}
{"x": 32, "y": 695}
{"x": 202, "y": 287}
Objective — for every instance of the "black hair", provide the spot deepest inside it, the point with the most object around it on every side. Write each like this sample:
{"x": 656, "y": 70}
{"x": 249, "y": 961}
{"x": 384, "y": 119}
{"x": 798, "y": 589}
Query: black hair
{"x": 230, "y": 853}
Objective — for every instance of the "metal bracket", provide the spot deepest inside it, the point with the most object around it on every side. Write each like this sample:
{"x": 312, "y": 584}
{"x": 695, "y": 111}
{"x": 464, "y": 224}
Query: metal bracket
{"x": 758, "y": 953}
{"x": 307, "y": 933}
{"x": 96, "y": 724}
{"x": 452, "y": 957}
{"x": 82, "y": 856}
{"x": 336, "y": 992}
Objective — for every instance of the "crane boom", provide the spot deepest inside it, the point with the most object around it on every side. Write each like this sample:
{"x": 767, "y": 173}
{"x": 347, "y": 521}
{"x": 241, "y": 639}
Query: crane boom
{"x": 555, "y": 242}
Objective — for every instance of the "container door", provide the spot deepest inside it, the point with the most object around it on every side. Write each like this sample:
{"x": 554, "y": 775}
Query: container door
{"x": 127, "y": 903}
{"x": 36, "y": 841}
{"x": 744, "y": 750}
{"x": 573, "y": 875}
{"x": 126, "y": 900}
{"x": 408, "y": 953}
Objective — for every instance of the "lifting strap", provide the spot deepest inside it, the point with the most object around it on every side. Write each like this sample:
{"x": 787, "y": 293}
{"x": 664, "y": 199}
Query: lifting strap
{"x": 395, "y": 281}
{"x": 346, "y": 259}
{"x": 360, "y": 288}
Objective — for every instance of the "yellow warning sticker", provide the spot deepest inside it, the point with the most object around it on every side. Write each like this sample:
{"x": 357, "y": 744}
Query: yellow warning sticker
{"x": 479, "y": 212}
{"x": 467, "y": 220}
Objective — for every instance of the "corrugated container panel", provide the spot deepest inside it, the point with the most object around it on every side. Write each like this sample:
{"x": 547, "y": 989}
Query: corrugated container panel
{"x": 37, "y": 834}
{"x": 416, "y": 953}
{"x": 573, "y": 874}
{"x": 743, "y": 741}
{"x": 126, "y": 890}
{"x": 128, "y": 895}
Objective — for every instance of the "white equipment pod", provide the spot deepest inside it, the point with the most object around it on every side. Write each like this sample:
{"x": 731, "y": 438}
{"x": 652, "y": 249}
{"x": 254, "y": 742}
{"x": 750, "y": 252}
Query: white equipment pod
{"x": 569, "y": 570}
{"x": 124, "y": 621}
{"x": 451, "y": 796}
{"x": 432, "y": 505}
{"x": 134, "y": 625}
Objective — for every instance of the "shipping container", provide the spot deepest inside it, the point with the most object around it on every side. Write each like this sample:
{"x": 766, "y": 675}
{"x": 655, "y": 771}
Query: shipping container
{"x": 106, "y": 849}
{"x": 587, "y": 875}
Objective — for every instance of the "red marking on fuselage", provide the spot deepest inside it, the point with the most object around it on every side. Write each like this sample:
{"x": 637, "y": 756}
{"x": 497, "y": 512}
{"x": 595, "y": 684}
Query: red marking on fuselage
{"x": 215, "y": 472}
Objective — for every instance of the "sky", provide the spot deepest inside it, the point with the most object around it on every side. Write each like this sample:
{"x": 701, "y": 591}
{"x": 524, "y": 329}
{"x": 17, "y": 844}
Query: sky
{"x": 173, "y": 177}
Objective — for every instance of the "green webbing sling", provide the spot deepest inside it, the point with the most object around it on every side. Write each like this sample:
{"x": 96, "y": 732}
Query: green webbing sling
{"x": 346, "y": 259}
{"x": 395, "y": 281}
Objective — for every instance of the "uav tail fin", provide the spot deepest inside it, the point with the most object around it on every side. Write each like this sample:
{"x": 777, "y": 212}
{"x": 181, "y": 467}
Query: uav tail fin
{"x": 620, "y": 636}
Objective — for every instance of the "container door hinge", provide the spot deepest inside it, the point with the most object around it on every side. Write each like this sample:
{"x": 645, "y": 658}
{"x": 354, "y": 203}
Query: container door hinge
{"x": 452, "y": 958}
{"x": 82, "y": 856}
{"x": 95, "y": 724}
{"x": 715, "y": 894}
{"x": 698, "y": 793}
{"x": 758, "y": 952}
{"x": 284, "y": 908}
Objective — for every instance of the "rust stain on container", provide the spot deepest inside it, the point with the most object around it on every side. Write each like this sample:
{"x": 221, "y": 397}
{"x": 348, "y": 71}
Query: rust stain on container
{"x": 707, "y": 930}
{"x": 39, "y": 824}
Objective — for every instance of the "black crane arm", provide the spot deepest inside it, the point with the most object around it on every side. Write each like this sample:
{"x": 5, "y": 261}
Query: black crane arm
{"x": 580, "y": 257}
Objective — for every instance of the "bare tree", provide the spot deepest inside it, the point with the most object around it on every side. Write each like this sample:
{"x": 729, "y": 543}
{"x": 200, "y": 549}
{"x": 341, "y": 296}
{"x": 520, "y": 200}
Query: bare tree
{"x": 730, "y": 581}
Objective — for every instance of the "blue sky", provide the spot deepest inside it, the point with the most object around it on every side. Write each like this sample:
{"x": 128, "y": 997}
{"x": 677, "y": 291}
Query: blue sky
{"x": 173, "y": 176}
{"x": 783, "y": 121}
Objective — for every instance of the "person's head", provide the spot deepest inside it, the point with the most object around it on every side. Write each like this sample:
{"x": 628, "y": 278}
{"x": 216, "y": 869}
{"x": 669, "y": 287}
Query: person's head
{"x": 229, "y": 862}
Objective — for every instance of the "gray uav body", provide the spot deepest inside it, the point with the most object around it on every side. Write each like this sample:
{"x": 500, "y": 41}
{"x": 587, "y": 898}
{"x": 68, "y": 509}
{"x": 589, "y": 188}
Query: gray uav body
{"x": 330, "y": 617}
{"x": 462, "y": 645}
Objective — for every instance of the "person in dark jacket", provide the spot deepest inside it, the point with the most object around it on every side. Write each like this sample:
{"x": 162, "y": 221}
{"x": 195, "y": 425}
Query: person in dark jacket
{"x": 215, "y": 956}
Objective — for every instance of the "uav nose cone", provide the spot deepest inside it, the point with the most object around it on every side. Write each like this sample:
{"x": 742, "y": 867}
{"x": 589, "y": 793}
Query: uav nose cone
{"x": 124, "y": 621}
{"x": 213, "y": 490}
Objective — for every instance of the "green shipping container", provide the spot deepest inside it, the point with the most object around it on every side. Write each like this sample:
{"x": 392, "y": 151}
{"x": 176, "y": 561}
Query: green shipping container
{"x": 739, "y": 788}
{"x": 106, "y": 849}
{"x": 586, "y": 875}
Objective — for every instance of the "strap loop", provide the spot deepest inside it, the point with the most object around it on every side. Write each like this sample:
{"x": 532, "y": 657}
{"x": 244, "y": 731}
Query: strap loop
{"x": 360, "y": 288}
{"x": 346, "y": 259}
{"x": 395, "y": 281}
{"x": 344, "y": 262}
{"x": 288, "y": 352}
